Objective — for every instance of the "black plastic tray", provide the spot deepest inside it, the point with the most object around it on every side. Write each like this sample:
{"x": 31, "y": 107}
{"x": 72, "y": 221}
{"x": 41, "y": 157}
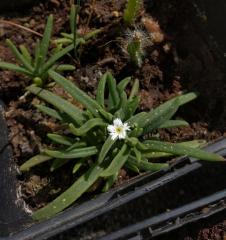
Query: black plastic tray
{"x": 176, "y": 218}
{"x": 146, "y": 212}
{"x": 15, "y": 224}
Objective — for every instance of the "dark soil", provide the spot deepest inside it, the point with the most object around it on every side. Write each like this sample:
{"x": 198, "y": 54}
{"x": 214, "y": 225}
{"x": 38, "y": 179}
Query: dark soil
{"x": 186, "y": 60}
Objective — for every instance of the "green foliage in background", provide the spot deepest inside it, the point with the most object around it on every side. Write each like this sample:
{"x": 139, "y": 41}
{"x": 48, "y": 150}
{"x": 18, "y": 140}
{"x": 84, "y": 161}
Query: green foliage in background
{"x": 37, "y": 67}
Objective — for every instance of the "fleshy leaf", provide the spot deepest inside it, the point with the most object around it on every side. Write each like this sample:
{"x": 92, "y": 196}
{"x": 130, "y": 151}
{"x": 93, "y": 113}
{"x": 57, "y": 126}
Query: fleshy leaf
{"x": 70, "y": 195}
{"x": 49, "y": 111}
{"x": 54, "y": 58}
{"x": 78, "y": 165}
{"x": 113, "y": 99}
{"x": 131, "y": 11}
{"x": 135, "y": 89}
{"x": 117, "y": 162}
{"x": 38, "y": 159}
{"x": 174, "y": 124}
{"x": 14, "y": 67}
{"x": 105, "y": 149}
{"x": 64, "y": 67}
{"x": 26, "y": 53}
{"x": 147, "y": 166}
{"x": 109, "y": 182}
{"x": 60, "y": 139}
{"x": 86, "y": 127}
{"x": 101, "y": 90}
{"x": 74, "y": 153}
{"x": 58, "y": 102}
{"x": 19, "y": 56}
{"x": 76, "y": 93}
{"x": 44, "y": 45}
{"x": 180, "y": 150}
{"x": 191, "y": 144}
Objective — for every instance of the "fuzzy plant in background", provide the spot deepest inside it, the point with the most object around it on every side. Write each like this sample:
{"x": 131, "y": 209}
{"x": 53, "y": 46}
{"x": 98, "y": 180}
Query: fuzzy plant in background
{"x": 74, "y": 37}
{"x": 131, "y": 11}
{"x": 135, "y": 45}
{"x": 136, "y": 40}
{"x": 37, "y": 68}
{"x": 106, "y": 136}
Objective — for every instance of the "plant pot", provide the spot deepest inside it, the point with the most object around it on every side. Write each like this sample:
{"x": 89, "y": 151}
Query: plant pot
{"x": 138, "y": 193}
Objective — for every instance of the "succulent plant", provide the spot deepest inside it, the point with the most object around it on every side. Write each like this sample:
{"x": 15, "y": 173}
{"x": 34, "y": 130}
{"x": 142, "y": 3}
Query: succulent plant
{"x": 107, "y": 135}
{"x": 37, "y": 68}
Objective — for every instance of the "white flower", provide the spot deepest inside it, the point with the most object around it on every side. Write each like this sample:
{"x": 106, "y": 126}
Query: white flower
{"x": 118, "y": 129}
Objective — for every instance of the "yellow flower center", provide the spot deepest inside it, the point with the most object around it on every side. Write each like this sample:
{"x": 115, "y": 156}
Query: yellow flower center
{"x": 118, "y": 130}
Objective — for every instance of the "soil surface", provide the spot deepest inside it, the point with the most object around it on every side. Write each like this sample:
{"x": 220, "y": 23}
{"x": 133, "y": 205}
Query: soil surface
{"x": 183, "y": 59}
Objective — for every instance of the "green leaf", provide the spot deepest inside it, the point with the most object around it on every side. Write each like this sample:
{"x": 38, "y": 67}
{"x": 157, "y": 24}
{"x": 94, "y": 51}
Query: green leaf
{"x": 106, "y": 115}
{"x": 110, "y": 181}
{"x": 131, "y": 11}
{"x": 86, "y": 127}
{"x": 37, "y": 60}
{"x": 70, "y": 195}
{"x": 13, "y": 67}
{"x": 137, "y": 154}
{"x": 101, "y": 90}
{"x": 135, "y": 52}
{"x": 49, "y": 111}
{"x": 161, "y": 114}
{"x": 73, "y": 23}
{"x": 44, "y": 45}
{"x": 131, "y": 107}
{"x": 123, "y": 84}
{"x": 174, "y": 124}
{"x": 38, "y": 159}
{"x": 137, "y": 119}
{"x": 63, "y": 41}
{"x": 113, "y": 99}
{"x": 54, "y": 58}
{"x": 131, "y": 166}
{"x": 185, "y": 98}
{"x": 26, "y": 53}
{"x": 77, "y": 144}
{"x": 146, "y": 166}
{"x": 177, "y": 149}
{"x": 67, "y": 35}
{"x": 19, "y": 56}
{"x": 58, "y": 102}
{"x": 121, "y": 107}
{"x": 72, "y": 19}
{"x": 135, "y": 89}
{"x": 64, "y": 67}
{"x": 78, "y": 165}
{"x": 118, "y": 162}
{"x": 60, "y": 139}
{"x": 57, "y": 163}
{"x": 76, "y": 93}
{"x": 105, "y": 149}
{"x": 91, "y": 34}
{"x": 191, "y": 144}
{"x": 74, "y": 153}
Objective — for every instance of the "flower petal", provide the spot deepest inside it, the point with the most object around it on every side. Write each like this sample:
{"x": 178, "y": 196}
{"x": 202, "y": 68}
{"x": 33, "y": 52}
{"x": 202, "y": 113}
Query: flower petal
{"x": 126, "y": 127}
{"x": 111, "y": 128}
{"x": 118, "y": 122}
{"x": 122, "y": 135}
{"x": 114, "y": 136}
